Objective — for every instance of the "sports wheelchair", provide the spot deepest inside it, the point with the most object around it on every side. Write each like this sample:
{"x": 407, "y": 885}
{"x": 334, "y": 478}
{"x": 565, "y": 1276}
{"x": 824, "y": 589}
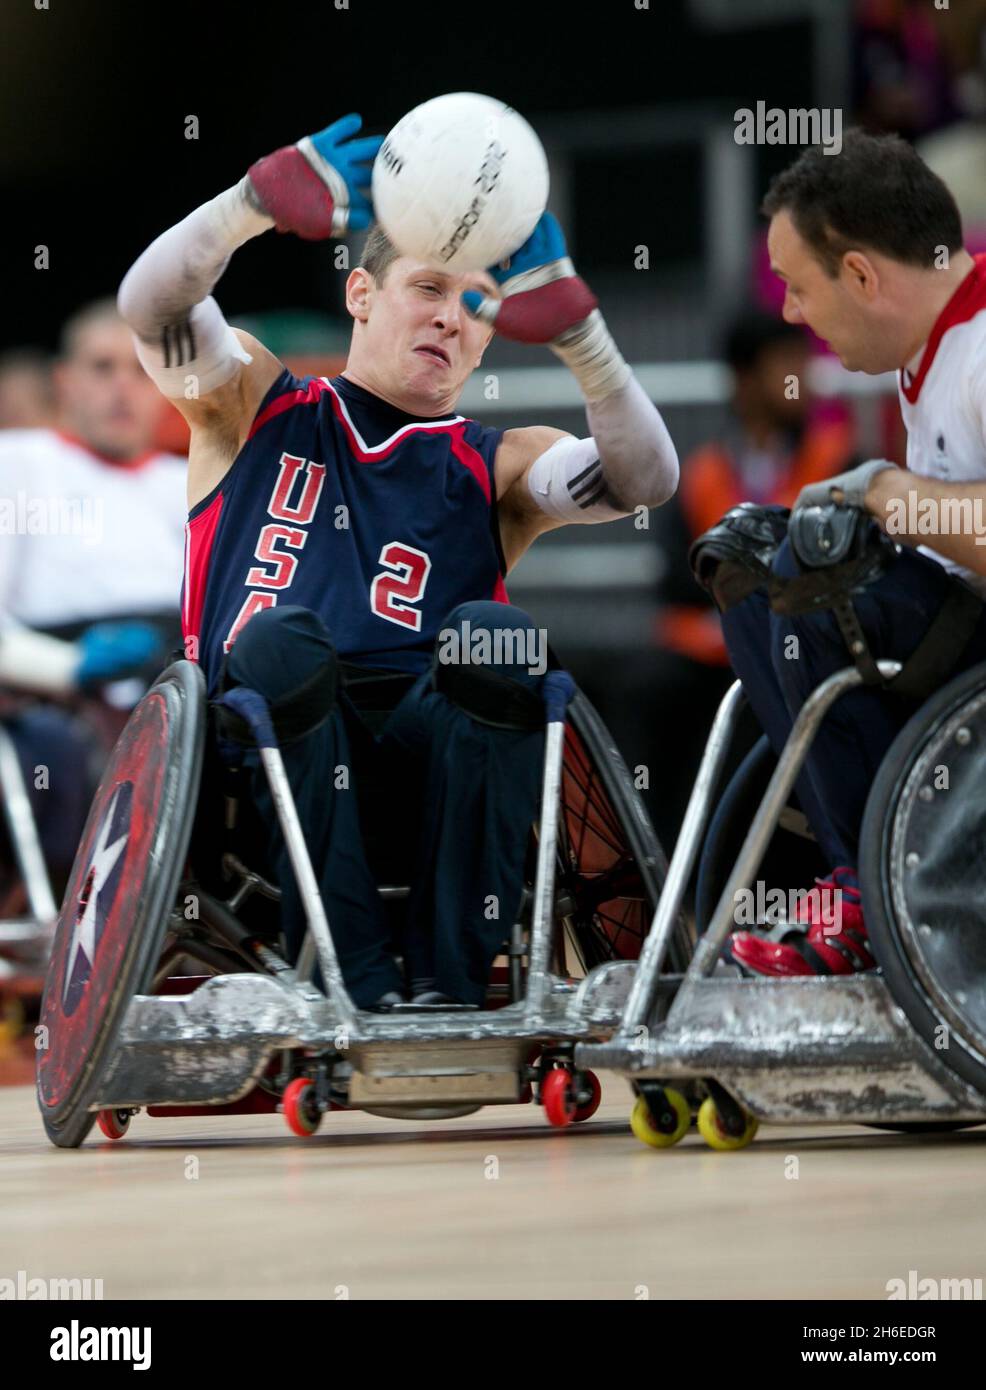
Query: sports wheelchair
{"x": 125, "y": 1028}
{"x": 901, "y": 1048}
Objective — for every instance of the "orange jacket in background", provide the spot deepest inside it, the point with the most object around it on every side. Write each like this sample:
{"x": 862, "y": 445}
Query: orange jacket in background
{"x": 710, "y": 486}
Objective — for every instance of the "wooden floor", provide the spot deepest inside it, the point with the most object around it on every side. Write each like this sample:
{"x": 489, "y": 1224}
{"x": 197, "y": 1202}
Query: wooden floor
{"x": 495, "y": 1205}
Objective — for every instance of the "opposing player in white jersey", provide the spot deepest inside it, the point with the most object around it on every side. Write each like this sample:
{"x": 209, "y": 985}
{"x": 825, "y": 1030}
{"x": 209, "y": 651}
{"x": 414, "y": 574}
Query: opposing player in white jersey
{"x": 869, "y": 246}
{"x": 91, "y": 554}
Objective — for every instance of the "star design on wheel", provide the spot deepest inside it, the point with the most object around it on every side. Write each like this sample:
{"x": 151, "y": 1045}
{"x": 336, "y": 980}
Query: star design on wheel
{"x": 104, "y": 858}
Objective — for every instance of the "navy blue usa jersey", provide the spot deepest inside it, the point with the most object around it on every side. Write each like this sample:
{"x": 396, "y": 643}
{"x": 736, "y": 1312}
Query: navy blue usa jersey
{"x": 380, "y": 522}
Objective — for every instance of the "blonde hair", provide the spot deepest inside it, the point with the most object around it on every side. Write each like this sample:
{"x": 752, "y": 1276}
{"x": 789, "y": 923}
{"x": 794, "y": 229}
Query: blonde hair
{"x": 379, "y": 253}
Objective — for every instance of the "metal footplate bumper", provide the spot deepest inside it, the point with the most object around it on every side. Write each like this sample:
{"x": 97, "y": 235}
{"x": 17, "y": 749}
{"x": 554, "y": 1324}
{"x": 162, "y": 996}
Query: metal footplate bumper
{"x": 211, "y": 1046}
{"x": 208, "y": 1047}
{"x": 811, "y": 1050}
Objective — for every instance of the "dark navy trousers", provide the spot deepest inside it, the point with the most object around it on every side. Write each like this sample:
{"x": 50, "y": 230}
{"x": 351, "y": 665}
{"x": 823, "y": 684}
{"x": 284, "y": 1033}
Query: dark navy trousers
{"x": 779, "y": 673}
{"x": 55, "y": 741}
{"x": 423, "y": 795}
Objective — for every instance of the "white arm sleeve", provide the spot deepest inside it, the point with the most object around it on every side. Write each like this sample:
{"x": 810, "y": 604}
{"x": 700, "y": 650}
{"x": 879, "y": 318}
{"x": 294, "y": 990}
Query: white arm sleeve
{"x": 629, "y": 462}
{"x": 183, "y": 341}
{"x": 640, "y": 462}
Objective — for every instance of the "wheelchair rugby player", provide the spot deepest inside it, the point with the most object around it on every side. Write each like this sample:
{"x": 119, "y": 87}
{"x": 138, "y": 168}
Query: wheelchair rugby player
{"x": 857, "y": 627}
{"x": 347, "y": 546}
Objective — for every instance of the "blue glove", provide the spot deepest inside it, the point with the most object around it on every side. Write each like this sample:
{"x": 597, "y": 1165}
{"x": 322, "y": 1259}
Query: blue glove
{"x": 353, "y": 160}
{"x": 545, "y": 244}
{"x": 111, "y": 651}
{"x": 552, "y": 297}
{"x": 319, "y": 187}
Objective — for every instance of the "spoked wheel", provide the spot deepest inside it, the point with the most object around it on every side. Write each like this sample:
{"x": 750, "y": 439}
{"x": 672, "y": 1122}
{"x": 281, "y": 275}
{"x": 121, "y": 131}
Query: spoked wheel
{"x": 611, "y": 867}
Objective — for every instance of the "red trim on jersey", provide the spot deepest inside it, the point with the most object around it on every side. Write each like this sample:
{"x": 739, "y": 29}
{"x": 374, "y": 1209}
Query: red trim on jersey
{"x": 138, "y": 460}
{"x": 470, "y": 458}
{"x": 279, "y": 404}
{"x": 200, "y": 533}
{"x": 967, "y": 301}
{"x": 500, "y": 594}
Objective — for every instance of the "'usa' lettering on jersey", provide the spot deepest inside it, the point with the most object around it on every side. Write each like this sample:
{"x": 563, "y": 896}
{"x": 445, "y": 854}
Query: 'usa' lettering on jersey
{"x": 380, "y": 522}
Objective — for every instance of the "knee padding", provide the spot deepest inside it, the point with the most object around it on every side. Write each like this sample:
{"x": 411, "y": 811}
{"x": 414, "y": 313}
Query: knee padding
{"x": 733, "y": 558}
{"x": 489, "y": 658}
{"x": 286, "y": 655}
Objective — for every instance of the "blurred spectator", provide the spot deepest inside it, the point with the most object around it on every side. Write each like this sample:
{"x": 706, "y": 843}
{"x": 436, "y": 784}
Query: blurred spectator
{"x": 903, "y": 76}
{"x": 958, "y": 153}
{"x": 93, "y": 519}
{"x": 772, "y": 445}
{"x": 92, "y": 525}
{"x": 26, "y": 397}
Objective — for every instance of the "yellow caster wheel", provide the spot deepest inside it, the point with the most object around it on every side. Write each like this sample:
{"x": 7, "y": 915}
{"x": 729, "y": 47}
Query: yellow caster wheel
{"x": 710, "y": 1128}
{"x": 642, "y": 1121}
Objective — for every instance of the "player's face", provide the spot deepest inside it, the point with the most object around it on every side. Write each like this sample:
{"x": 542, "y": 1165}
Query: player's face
{"x": 831, "y": 306}
{"x": 104, "y": 395}
{"x": 419, "y": 328}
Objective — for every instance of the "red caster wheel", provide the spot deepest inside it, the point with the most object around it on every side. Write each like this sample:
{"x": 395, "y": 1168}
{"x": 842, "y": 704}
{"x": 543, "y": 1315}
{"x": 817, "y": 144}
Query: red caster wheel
{"x": 114, "y": 1123}
{"x": 558, "y": 1097}
{"x": 587, "y": 1083}
{"x": 300, "y": 1108}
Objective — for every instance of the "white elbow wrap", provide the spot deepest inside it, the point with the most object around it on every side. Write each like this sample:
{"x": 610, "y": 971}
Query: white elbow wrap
{"x": 192, "y": 357}
{"x": 567, "y": 483}
{"x": 34, "y": 661}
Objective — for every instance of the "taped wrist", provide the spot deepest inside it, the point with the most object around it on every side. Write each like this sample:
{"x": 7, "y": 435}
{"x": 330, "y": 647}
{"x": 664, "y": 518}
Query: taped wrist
{"x": 567, "y": 483}
{"x": 591, "y": 355}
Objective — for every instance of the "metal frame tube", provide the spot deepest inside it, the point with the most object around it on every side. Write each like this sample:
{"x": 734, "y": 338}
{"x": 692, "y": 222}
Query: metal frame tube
{"x": 789, "y": 764}
{"x": 24, "y": 833}
{"x": 544, "y": 880}
{"x": 641, "y": 996}
{"x": 318, "y": 924}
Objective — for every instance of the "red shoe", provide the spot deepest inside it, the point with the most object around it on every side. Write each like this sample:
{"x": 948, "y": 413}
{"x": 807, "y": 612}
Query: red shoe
{"x": 832, "y": 941}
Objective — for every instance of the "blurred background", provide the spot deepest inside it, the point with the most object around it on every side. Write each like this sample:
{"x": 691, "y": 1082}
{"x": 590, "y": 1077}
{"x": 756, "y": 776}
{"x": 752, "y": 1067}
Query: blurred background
{"x": 635, "y": 106}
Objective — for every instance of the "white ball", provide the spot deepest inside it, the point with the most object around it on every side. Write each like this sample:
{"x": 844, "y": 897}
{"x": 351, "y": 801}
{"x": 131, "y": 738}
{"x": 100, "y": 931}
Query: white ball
{"x": 460, "y": 182}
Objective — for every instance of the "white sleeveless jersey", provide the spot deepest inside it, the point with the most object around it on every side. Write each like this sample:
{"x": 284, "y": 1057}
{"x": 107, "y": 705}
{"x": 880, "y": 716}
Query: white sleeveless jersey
{"x": 944, "y": 403}
{"x": 83, "y": 539}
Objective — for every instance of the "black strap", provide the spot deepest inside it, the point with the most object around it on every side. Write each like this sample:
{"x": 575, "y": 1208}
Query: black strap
{"x": 855, "y": 639}
{"x": 832, "y": 587}
{"x": 934, "y": 658}
{"x": 822, "y": 588}
{"x": 489, "y": 697}
{"x": 370, "y": 695}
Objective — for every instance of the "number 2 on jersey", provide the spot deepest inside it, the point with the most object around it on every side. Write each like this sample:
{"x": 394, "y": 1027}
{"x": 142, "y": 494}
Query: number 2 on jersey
{"x": 400, "y": 585}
